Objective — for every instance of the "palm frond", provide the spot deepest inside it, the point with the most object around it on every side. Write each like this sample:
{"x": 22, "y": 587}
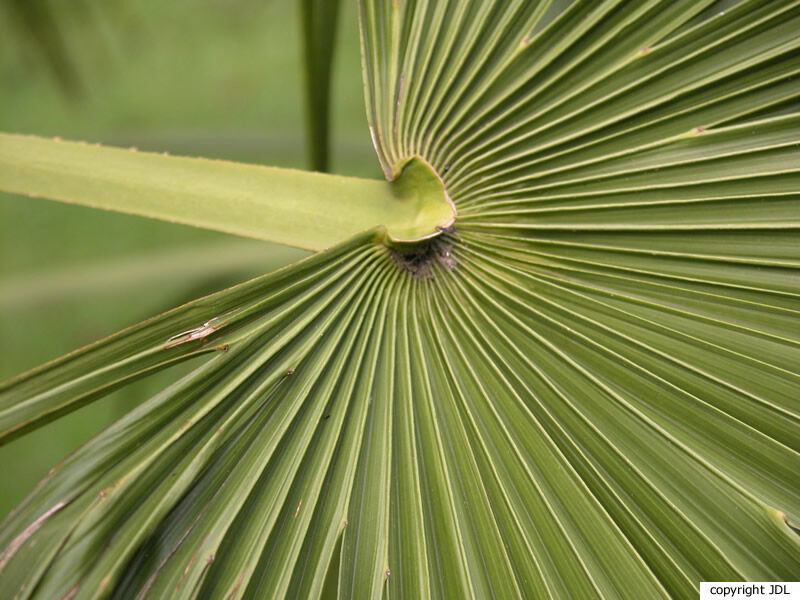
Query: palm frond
{"x": 587, "y": 388}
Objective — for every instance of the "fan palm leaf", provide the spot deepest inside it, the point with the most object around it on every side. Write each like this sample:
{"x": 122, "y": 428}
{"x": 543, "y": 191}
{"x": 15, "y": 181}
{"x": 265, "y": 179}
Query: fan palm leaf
{"x": 588, "y": 387}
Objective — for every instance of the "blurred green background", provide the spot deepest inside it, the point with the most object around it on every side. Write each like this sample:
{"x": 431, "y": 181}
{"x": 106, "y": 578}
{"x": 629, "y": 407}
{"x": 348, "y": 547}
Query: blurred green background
{"x": 215, "y": 78}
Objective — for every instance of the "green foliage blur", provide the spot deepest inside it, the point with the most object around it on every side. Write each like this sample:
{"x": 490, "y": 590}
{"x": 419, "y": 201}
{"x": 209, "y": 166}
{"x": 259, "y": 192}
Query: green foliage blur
{"x": 214, "y": 78}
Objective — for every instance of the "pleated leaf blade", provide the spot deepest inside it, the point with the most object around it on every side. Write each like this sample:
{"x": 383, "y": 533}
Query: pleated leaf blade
{"x": 587, "y": 388}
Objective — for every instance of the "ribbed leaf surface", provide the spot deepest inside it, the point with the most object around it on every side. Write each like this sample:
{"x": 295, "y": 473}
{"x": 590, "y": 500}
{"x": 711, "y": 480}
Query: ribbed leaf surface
{"x": 589, "y": 388}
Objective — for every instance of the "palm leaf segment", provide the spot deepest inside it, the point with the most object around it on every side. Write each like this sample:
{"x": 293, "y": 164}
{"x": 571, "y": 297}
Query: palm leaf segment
{"x": 588, "y": 389}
